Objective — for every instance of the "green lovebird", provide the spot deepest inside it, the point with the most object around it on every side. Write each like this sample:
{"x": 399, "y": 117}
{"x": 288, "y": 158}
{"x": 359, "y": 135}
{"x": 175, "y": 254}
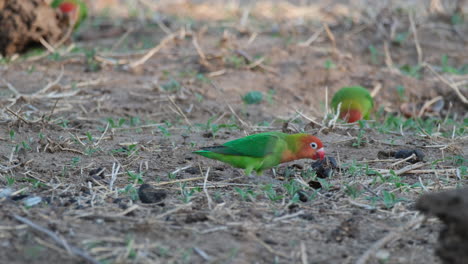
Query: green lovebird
{"x": 262, "y": 151}
{"x": 356, "y": 103}
{"x": 74, "y": 8}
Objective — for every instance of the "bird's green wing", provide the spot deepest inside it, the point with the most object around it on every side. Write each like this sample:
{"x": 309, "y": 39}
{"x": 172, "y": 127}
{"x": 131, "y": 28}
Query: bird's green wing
{"x": 257, "y": 145}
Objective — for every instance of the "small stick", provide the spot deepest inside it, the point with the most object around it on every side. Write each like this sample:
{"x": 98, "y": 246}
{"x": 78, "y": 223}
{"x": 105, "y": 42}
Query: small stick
{"x": 17, "y": 115}
{"x": 395, "y": 235}
{"x": 180, "y": 111}
{"x": 312, "y": 38}
{"x": 114, "y": 173}
{"x": 403, "y": 160}
{"x": 177, "y": 181}
{"x": 103, "y": 133}
{"x": 46, "y": 45}
{"x": 428, "y": 104}
{"x": 416, "y": 40}
{"x": 205, "y": 190}
{"x": 301, "y": 212}
{"x": 50, "y": 84}
{"x": 57, "y": 239}
{"x": 450, "y": 84}
{"x": 153, "y": 51}
{"x": 376, "y": 89}
{"x": 267, "y": 247}
{"x": 303, "y": 253}
{"x": 331, "y": 37}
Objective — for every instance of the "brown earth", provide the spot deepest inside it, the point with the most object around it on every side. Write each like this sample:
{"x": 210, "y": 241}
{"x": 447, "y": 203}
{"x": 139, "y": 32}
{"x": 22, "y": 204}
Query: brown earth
{"x": 57, "y": 143}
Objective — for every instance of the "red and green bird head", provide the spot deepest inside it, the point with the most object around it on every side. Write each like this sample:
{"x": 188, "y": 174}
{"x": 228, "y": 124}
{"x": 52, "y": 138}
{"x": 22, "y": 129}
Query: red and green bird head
{"x": 355, "y": 102}
{"x": 76, "y": 9}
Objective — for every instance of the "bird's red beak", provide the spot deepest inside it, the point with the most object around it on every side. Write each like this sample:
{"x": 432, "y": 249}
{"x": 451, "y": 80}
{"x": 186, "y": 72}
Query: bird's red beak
{"x": 320, "y": 154}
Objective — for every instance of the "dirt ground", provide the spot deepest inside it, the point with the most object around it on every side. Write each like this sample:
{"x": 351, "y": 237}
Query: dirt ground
{"x": 125, "y": 104}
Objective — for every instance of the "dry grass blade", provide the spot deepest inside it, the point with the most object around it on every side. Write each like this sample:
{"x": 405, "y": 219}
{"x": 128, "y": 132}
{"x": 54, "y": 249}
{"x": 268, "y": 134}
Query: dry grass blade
{"x": 154, "y": 50}
{"x": 205, "y": 190}
{"x": 57, "y": 239}
{"x": 449, "y": 83}
{"x": 416, "y": 39}
{"x": 388, "y": 238}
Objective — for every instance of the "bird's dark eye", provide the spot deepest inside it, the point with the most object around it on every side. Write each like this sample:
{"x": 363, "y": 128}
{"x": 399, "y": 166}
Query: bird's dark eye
{"x": 313, "y": 145}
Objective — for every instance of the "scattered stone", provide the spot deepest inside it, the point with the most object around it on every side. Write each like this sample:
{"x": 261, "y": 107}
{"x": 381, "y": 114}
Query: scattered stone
{"x": 324, "y": 168}
{"x": 303, "y": 196}
{"x": 405, "y": 153}
{"x": 31, "y": 201}
{"x": 97, "y": 173}
{"x": 148, "y": 194}
{"x": 402, "y": 154}
{"x": 451, "y": 207}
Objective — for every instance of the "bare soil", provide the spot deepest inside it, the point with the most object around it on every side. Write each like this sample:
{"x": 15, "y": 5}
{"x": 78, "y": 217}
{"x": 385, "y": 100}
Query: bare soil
{"x": 84, "y": 128}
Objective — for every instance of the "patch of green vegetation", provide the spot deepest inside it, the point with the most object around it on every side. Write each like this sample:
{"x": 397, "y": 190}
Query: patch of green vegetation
{"x": 412, "y": 71}
{"x": 329, "y": 64}
{"x": 209, "y": 126}
{"x": 116, "y": 124}
{"x": 172, "y": 85}
{"x": 360, "y": 140}
{"x": 401, "y": 92}
{"x": 271, "y": 193}
{"x": 447, "y": 68}
{"x": 136, "y": 178}
{"x": 253, "y": 97}
{"x": 400, "y": 38}
{"x": 187, "y": 193}
{"x": 236, "y": 61}
{"x": 131, "y": 191}
{"x": 375, "y": 55}
{"x": 246, "y": 194}
{"x": 127, "y": 150}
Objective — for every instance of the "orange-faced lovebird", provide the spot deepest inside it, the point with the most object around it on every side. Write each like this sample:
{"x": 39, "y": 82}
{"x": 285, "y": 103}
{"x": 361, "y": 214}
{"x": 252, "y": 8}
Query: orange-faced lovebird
{"x": 262, "y": 151}
{"x": 75, "y": 8}
{"x": 356, "y": 103}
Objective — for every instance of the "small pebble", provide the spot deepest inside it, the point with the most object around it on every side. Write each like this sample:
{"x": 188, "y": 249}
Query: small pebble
{"x": 148, "y": 194}
{"x": 324, "y": 168}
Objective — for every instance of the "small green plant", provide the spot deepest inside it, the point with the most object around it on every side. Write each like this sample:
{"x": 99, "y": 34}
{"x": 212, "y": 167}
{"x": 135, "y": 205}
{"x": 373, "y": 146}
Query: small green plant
{"x": 329, "y": 64}
{"x": 271, "y": 193}
{"x": 25, "y": 145}
{"x": 360, "y": 140}
{"x": 412, "y": 71}
{"x": 401, "y": 92}
{"x": 453, "y": 70}
{"x": 92, "y": 65}
{"x": 374, "y": 54}
{"x": 114, "y": 124}
{"x": 134, "y": 177}
{"x": 400, "y": 38}
{"x": 236, "y": 61}
{"x": 131, "y": 191}
{"x": 353, "y": 190}
{"x": 389, "y": 199}
{"x": 247, "y": 194}
{"x": 75, "y": 161}
{"x": 10, "y": 180}
{"x": 253, "y": 97}
{"x": 171, "y": 86}
{"x": 187, "y": 193}
{"x": 164, "y": 131}
{"x": 89, "y": 136}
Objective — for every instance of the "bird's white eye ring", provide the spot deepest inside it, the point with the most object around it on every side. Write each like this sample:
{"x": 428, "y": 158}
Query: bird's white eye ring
{"x": 313, "y": 145}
